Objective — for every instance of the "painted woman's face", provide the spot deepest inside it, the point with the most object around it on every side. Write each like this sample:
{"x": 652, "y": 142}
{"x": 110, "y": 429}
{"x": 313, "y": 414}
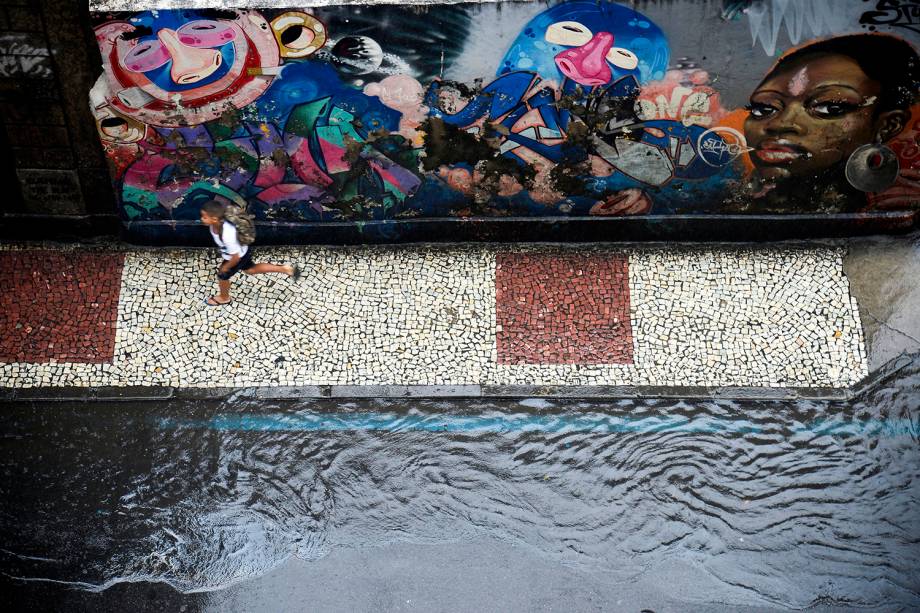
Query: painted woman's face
{"x": 810, "y": 115}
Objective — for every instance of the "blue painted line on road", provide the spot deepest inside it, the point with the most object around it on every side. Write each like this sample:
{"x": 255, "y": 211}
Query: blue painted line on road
{"x": 551, "y": 424}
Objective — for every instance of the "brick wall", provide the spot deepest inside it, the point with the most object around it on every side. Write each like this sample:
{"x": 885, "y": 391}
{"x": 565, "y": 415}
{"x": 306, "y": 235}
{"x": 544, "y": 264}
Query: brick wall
{"x": 52, "y": 161}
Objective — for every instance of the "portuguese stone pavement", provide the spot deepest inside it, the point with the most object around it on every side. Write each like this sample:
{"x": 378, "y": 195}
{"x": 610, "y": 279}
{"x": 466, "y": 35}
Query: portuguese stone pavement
{"x": 432, "y": 315}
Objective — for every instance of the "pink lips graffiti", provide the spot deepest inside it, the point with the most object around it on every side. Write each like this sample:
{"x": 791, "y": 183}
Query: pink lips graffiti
{"x": 587, "y": 65}
{"x": 780, "y": 152}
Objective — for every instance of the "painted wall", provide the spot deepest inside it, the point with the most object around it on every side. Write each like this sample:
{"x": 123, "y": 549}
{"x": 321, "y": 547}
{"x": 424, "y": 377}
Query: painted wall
{"x": 577, "y": 108}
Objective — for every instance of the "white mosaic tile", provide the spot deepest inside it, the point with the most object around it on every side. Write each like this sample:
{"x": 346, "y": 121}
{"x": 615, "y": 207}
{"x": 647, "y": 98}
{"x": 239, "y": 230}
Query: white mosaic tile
{"x": 723, "y": 316}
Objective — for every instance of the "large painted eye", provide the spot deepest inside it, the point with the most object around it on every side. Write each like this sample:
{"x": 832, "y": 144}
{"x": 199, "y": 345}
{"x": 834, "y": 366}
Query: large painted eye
{"x": 761, "y": 110}
{"x": 117, "y": 129}
{"x": 827, "y": 110}
{"x": 205, "y": 33}
{"x": 622, "y": 58}
{"x": 568, "y": 33}
{"x": 298, "y": 34}
{"x": 297, "y": 37}
{"x": 113, "y": 126}
{"x": 146, "y": 56}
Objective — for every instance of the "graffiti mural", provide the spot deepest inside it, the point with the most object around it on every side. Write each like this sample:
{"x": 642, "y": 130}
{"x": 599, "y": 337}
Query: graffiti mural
{"x": 587, "y": 108}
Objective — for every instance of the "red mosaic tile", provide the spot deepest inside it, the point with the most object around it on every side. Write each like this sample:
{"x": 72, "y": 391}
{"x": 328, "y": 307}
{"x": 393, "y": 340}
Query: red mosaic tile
{"x": 58, "y": 306}
{"x": 562, "y": 309}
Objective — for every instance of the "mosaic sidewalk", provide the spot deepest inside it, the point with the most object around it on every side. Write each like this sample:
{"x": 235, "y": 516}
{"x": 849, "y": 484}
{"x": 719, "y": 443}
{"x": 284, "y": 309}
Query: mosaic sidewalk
{"x": 458, "y": 315}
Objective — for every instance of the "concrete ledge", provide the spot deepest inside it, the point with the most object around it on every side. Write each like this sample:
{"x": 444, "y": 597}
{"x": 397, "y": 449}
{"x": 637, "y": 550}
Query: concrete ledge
{"x": 291, "y": 393}
{"x": 106, "y": 394}
{"x": 724, "y": 228}
{"x": 406, "y": 391}
{"x": 620, "y": 392}
{"x": 884, "y": 376}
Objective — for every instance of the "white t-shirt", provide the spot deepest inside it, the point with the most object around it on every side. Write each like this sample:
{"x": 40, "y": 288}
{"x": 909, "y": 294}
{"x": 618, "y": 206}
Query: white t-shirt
{"x": 228, "y": 242}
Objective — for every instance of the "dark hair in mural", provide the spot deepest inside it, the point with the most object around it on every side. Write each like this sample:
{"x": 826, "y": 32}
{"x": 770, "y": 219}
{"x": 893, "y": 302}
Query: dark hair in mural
{"x": 137, "y": 33}
{"x": 216, "y": 13}
{"x": 888, "y": 60}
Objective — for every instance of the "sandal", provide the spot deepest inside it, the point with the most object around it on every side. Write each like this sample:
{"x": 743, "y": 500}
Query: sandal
{"x": 212, "y": 302}
{"x": 297, "y": 272}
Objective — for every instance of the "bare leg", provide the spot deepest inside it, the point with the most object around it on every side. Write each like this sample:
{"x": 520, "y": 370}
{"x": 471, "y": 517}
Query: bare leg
{"x": 260, "y": 269}
{"x": 224, "y": 296}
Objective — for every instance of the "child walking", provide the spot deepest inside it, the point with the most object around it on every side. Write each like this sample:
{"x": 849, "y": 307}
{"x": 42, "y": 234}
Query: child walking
{"x": 236, "y": 255}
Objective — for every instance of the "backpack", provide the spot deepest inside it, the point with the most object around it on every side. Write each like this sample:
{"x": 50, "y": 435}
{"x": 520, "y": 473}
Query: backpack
{"x": 244, "y": 222}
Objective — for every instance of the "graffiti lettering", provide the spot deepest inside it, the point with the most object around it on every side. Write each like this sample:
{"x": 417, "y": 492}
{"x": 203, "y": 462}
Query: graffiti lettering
{"x": 22, "y": 57}
{"x": 768, "y": 18}
{"x": 723, "y": 150}
{"x": 13, "y": 43}
{"x": 25, "y": 66}
{"x": 893, "y": 13}
{"x": 684, "y": 95}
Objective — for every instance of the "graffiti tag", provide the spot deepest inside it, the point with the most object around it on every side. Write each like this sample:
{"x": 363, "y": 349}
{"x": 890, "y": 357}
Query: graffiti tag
{"x": 25, "y": 66}
{"x": 22, "y": 57}
{"x": 895, "y": 14}
{"x": 724, "y": 150}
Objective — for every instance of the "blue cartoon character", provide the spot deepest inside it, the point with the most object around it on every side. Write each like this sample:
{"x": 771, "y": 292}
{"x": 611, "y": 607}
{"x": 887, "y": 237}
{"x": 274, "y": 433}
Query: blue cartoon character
{"x": 581, "y": 62}
{"x": 580, "y": 47}
{"x": 589, "y": 43}
{"x": 583, "y": 49}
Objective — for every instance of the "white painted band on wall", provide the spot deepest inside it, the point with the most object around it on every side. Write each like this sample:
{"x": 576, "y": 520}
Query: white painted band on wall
{"x": 100, "y": 6}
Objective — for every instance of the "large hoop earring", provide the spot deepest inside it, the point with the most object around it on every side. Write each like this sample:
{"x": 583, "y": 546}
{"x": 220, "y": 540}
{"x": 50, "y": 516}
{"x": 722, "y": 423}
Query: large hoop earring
{"x": 873, "y": 168}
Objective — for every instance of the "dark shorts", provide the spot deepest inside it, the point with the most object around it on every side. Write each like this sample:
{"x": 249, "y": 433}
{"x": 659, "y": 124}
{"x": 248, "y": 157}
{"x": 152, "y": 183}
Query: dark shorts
{"x": 245, "y": 263}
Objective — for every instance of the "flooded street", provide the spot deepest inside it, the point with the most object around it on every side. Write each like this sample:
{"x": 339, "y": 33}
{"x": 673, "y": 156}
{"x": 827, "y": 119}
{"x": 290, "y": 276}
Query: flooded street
{"x": 781, "y": 504}
{"x": 443, "y": 306}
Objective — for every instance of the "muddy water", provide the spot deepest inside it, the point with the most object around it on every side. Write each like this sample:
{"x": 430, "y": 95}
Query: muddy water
{"x": 794, "y": 502}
